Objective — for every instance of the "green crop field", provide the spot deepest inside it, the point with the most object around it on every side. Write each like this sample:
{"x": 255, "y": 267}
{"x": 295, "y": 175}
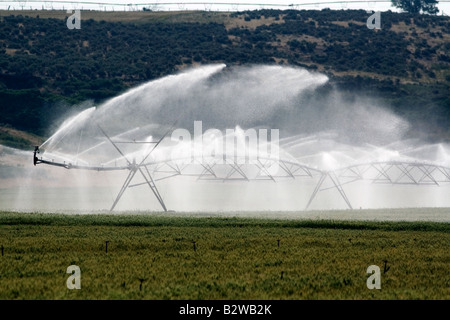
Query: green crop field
{"x": 151, "y": 256}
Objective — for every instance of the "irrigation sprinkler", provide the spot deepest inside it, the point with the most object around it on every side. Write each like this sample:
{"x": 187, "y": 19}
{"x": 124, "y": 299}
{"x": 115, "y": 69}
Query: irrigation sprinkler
{"x": 378, "y": 173}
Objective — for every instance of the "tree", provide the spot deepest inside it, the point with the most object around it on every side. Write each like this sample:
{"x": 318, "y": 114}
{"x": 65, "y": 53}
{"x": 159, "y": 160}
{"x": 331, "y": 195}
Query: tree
{"x": 416, "y": 6}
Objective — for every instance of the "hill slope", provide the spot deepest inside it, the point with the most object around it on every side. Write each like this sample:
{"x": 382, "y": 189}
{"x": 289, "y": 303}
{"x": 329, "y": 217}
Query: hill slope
{"x": 52, "y": 68}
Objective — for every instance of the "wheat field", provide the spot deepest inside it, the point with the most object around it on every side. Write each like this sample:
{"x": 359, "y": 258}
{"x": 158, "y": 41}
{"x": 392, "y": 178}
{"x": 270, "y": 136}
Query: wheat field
{"x": 157, "y": 257}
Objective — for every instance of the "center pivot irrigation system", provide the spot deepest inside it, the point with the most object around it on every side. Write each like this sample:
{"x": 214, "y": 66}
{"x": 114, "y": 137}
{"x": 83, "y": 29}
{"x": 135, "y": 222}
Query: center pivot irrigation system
{"x": 417, "y": 173}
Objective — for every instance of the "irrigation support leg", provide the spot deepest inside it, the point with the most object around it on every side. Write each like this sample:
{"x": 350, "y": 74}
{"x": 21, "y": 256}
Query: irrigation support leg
{"x": 124, "y": 187}
{"x": 152, "y": 185}
{"x": 338, "y": 186}
{"x": 319, "y": 184}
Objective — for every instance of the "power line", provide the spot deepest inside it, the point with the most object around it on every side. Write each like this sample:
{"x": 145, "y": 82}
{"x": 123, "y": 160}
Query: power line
{"x": 181, "y": 3}
{"x": 184, "y": 5}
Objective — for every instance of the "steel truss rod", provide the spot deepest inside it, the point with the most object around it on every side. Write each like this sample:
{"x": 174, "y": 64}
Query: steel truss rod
{"x": 159, "y": 179}
{"x": 356, "y": 174}
{"x": 159, "y": 169}
{"x": 445, "y": 173}
{"x": 235, "y": 168}
{"x": 338, "y": 186}
{"x": 135, "y": 142}
{"x": 286, "y": 169}
{"x": 406, "y": 172}
{"x": 176, "y": 168}
{"x": 152, "y": 186}
{"x": 112, "y": 142}
{"x": 304, "y": 169}
{"x": 133, "y": 169}
{"x": 382, "y": 172}
{"x": 261, "y": 167}
{"x": 73, "y": 166}
{"x": 427, "y": 173}
{"x": 342, "y": 184}
{"x": 319, "y": 184}
{"x": 206, "y": 168}
{"x": 124, "y": 187}
{"x": 150, "y": 180}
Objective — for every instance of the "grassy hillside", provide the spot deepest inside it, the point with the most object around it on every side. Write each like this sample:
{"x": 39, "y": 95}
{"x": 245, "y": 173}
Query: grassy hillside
{"x": 45, "y": 68}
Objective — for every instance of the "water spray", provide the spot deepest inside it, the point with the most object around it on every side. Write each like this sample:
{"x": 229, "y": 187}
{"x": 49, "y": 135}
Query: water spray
{"x": 323, "y": 141}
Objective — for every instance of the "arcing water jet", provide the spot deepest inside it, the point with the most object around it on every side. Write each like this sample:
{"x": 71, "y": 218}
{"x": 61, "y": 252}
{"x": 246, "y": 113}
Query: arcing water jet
{"x": 325, "y": 143}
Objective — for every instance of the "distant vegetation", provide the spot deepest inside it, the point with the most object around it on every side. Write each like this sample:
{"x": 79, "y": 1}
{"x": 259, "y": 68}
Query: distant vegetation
{"x": 46, "y": 69}
{"x": 417, "y": 6}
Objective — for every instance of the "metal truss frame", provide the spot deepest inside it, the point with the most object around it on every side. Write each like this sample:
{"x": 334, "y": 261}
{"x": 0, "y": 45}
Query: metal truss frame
{"x": 211, "y": 168}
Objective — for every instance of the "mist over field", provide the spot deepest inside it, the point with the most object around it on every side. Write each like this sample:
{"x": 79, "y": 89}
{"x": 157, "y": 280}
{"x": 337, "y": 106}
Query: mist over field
{"x": 318, "y": 127}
